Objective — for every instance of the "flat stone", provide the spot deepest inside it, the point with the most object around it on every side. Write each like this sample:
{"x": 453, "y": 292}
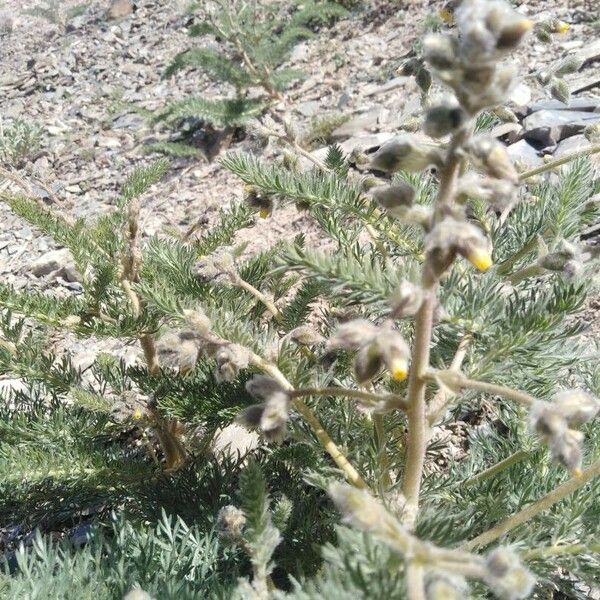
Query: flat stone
{"x": 51, "y": 261}
{"x": 521, "y": 94}
{"x": 309, "y": 108}
{"x": 585, "y": 104}
{"x": 388, "y": 86}
{"x": 119, "y": 9}
{"x": 574, "y": 143}
{"x": 524, "y": 154}
{"x": 360, "y": 124}
{"x": 548, "y": 127}
{"x": 129, "y": 121}
{"x": 234, "y": 440}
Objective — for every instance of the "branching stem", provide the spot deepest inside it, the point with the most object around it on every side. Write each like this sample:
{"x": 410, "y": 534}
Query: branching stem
{"x": 531, "y": 511}
{"x": 593, "y": 149}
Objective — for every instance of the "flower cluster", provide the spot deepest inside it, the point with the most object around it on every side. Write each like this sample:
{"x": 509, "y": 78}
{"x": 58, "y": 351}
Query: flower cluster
{"x": 452, "y": 237}
{"x": 270, "y": 417}
{"x": 553, "y": 421}
{"x": 469, "y": 63}
{"x": 376, "y": 348}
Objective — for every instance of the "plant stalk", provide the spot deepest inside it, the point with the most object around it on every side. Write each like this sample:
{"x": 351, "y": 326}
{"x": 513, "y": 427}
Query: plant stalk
{"x": 531, "y": 511}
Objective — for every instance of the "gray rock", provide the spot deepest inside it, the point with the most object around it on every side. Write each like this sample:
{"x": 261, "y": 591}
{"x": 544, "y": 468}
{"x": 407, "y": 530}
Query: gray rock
{"x": 299, "y": 53}
{"x": 587, "y": 104}
{"x": 524, "y": 154}
{"x": 574, "y": 143}
{"x": 52, "y": 262}
{"x": 388, "y": 86}
{"x": 119, "y": 9}
{"x": 234, "y": 440}
{"x": 308, "y": 108}
{"x": 362, "y": 123}
{"x": 549, "y": 127}
{"x": 129, "y": 121}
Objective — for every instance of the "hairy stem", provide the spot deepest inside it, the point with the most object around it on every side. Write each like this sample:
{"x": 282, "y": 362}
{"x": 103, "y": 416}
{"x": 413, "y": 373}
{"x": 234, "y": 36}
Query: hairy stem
{"x": 352, "y": 475}
{"x": 439, "y": 403}
{"x": 269, "y": 304}
{"x": 531, "y": 511}
{"x": 418, "y": 426}
{"x": 566, "y": 550}
{"x": 371, "y": 398}
{"x": 509, "y": 461}
{"x": 415, "y": 582}
{"x": 593, "y": 149}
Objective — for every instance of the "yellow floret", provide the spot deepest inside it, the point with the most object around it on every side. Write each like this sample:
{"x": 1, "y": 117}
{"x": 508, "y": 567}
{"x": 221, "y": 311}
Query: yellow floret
{"x": 562, "y": 27}
{"x": 480, "y": 259}
{"x": 399, "y": 370}
{"x": 446, "y": 15}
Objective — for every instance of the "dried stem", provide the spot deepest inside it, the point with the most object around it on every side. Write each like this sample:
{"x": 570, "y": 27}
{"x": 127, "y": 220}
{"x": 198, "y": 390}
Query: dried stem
{"x": 531, "y": 511}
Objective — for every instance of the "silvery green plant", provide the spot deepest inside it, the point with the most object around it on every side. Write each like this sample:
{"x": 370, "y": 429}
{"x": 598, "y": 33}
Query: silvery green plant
{"x": 421, "y": 371}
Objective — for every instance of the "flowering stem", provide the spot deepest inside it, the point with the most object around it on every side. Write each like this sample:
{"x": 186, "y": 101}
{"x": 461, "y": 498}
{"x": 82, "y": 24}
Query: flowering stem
{"x": 593, "y": 149}
{"x": 531, "y": 511}
{"x": 415, "y": 581}
{"x": 239, "y": 282}
{"x": 566, "y": 550}
{"x": 490, "y": 388}
{"x": 330, "y": 446}
{"x": 371, "y": 398}
{"x": 437, "y": 405}
{"x": 416, "y": 443}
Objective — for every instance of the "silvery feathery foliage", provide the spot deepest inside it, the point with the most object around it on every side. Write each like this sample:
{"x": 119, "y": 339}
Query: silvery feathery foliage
{"x": 423, "y": 312}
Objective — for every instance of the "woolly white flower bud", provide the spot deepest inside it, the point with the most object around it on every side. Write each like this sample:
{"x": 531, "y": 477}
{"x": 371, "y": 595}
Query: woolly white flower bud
{"x": 559, "y": 90}
{"x": 547, "y": 420}
{"x": 507, "y": 576}
{"x": 566, "y": 449}
{"x": 498, "y": 193}
{"x": 352, "y": 335}
{"x": 230, "y": 359}
{"x": 197, "y": 322}
{"x": 305, "y": 336}
{"x": 231, "y": 522}
{"x": 273, "y": 421}
{"x": 492, "y": 157}
{"x": 406, "y": 300}
{"x": 255, "y": 199}
{"x": 442, "y": 119}
{"x": 556, "y": 261}
{"x": 361, "y": 510}
{"x": 367, "y": 363}
{"x": 395, "y": 353}
{"x": 576, "y": 406}
{"x": 440, "y": 51}
{"x": 405, "y": 153}
{"x": 450, "y": 237}
{"x": 262, "y": 387}
{"x": 395, "y": 198}
{"x": 211, "y": 267}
